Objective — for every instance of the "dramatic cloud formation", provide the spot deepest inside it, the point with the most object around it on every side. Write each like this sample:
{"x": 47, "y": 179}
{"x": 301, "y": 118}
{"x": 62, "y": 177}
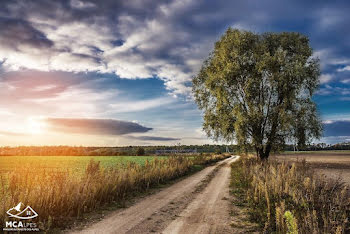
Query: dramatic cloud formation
{"x": 95, "y": 126}
{"x": 16, "y": 34}
{"x": 134, "y": 60}
{"x": 108, "y": 37}
{"x": 168, "y": 40}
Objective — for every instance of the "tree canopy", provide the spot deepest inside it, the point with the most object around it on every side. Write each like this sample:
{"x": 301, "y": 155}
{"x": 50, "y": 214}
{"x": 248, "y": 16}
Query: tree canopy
{"x": 256, "y": 89}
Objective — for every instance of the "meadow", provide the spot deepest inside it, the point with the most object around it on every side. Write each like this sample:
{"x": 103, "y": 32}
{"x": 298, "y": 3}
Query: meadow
{"x": 75, "y": 164}
{"x": 64, "y": 189}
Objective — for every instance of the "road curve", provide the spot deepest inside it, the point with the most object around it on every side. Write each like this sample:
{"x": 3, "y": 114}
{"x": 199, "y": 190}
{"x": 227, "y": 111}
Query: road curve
{"x": 196, "y": 204}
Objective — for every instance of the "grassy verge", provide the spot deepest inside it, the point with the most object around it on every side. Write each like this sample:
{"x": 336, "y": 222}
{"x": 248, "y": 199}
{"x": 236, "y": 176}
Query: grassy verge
{"x": 60, "y": 197}
{"x": 285, "y": 198}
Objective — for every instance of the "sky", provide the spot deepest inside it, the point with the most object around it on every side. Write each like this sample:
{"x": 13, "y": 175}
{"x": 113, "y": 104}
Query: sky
{"x": 115, "y": 73}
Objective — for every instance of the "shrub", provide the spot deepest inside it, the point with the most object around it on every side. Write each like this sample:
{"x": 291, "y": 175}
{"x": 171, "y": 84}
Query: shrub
{"x": 291, "y": 223}
{"x": 140, "y": 151}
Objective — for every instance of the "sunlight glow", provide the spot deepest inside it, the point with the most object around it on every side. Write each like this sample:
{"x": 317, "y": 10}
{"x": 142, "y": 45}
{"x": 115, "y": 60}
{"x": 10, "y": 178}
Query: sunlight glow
{"x": 35, "y": 125}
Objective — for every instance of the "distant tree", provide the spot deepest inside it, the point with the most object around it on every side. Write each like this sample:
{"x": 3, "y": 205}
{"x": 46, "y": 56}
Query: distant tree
{"x": 140, "y": 151}
{"x": 257, "y": 89}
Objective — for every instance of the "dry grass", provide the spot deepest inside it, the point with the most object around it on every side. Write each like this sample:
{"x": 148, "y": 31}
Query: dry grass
{"x": 59, "y": 197}
{"x": 290, "y": 198}
{"x": 332, "y": 165}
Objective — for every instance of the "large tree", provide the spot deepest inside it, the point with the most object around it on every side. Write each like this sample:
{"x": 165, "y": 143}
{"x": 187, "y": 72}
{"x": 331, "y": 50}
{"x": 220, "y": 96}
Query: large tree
{"x": 257, "y": 89}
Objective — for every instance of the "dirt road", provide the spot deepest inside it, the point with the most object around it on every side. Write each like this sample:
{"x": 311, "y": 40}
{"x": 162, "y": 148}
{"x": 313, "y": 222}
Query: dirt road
{"x": 197, "y": 204}
{"x": 209, "y": 211}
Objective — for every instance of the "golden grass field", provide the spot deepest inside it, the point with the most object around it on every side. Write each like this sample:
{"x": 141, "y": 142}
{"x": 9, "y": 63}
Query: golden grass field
{"x": 62, "y": 189}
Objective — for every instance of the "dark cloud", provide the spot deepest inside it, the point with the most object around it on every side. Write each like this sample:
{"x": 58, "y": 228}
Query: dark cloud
{"x": 79, "y": 10}
{"x": 337, "y": 128}
{"x": 107, "y": 127}
{"x": 154, "y": 138}
{"x": 17, "y": 32}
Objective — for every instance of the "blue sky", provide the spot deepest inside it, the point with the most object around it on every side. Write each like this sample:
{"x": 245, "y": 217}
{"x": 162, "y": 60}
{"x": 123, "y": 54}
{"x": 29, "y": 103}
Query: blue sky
{"x": 110, "y": 65}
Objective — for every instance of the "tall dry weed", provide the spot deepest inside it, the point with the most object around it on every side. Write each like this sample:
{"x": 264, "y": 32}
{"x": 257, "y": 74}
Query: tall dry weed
{"x": 314, "y": 205}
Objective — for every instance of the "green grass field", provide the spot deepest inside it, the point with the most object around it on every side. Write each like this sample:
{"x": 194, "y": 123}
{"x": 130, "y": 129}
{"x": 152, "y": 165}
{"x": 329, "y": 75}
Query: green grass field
{"x": 72, "y": 163}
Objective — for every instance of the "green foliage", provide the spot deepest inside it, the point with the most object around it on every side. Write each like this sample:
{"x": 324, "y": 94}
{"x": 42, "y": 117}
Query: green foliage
{"x": 291, "y": 223}
{"x": 257, "y": 90}
{"x": 140, "y": 151}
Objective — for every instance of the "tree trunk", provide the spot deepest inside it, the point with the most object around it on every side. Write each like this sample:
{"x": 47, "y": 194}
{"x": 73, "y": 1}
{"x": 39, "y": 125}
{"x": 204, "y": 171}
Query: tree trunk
{"x": 264, "y": 152}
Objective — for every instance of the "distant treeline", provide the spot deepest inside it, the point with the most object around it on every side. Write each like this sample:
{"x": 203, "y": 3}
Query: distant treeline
{"x": 105, "y": 151}
{"x": 319, "y": 146}
{"x": 146, "y": 150}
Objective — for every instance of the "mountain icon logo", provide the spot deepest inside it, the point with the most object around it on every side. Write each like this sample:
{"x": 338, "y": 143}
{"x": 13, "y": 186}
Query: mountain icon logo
{"x": 22, "y": 212}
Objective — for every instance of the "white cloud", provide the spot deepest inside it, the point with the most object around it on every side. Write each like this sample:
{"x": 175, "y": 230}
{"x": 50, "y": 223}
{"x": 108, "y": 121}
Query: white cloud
{"x": 329, "y": 90}
{"x": 328, "y": 57}
{"x": 346, "y": 68}
{"x": 345, "y": 81}
{"x": 136, "y": 106}
{"x": 74, "y": 63}
{"x": 326, "y": 78}
{"x": 81, "y": 5}
{"x": 328, "y": 121}
{"x": 44, "y": 87}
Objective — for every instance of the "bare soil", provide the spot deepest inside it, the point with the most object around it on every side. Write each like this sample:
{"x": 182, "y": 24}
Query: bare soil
{"x": 198, "y": 204}
{"x": 208, "y": 213}
{"x": 332, "y": 165}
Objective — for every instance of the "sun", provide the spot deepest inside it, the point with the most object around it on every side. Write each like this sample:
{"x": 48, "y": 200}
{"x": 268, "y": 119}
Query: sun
{"x": 35, "y": 126}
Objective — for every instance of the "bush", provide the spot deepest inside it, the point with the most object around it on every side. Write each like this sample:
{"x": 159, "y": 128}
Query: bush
{"x": 290, "y": 198}
{"x": 140, "y": 151}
